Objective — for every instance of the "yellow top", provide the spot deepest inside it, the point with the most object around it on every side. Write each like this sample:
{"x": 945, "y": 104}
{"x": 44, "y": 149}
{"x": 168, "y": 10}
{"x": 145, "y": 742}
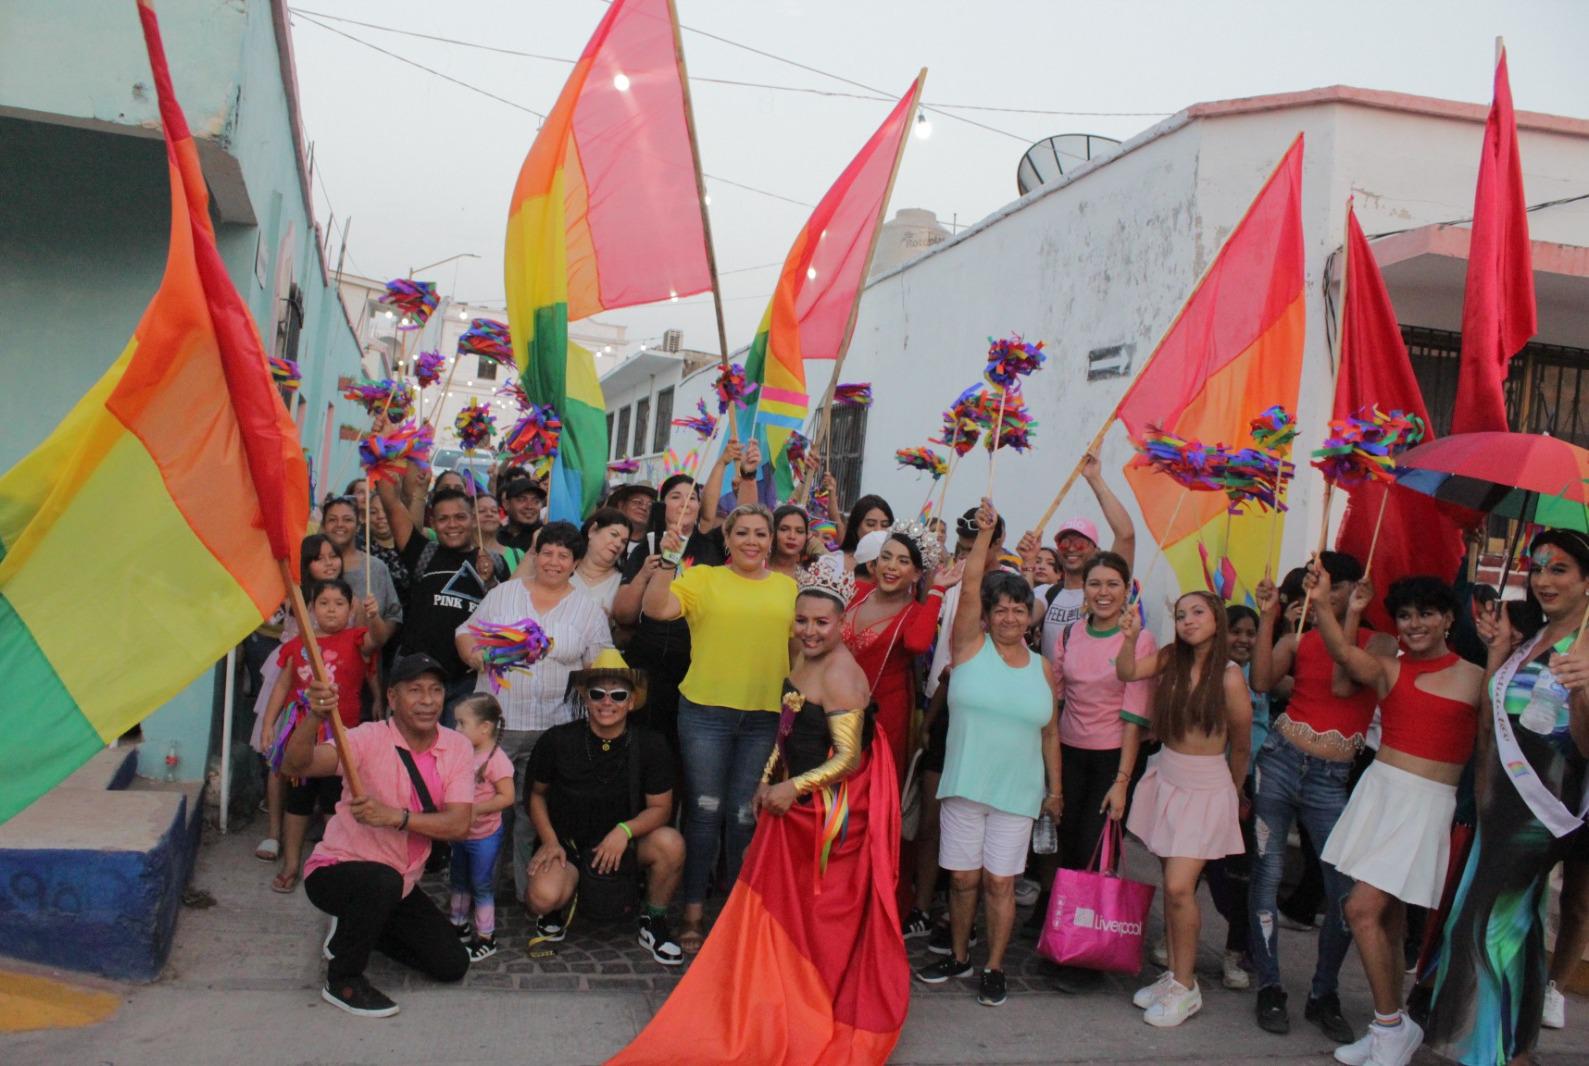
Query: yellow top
{"x": 739, "y": 637}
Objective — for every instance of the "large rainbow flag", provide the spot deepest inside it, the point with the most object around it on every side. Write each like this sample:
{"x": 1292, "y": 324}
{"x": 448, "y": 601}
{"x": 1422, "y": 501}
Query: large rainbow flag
{"x": 184, "y": 451}
{"x": 813, "y": 307}
{"x": 606, "y": 213}
{"x": 1234, "y": 349}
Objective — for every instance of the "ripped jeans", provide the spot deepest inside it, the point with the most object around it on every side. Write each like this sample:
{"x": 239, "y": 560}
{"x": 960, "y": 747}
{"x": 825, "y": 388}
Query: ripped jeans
{"x": 1291, "y": 785}
{"x": 724, "y": 752}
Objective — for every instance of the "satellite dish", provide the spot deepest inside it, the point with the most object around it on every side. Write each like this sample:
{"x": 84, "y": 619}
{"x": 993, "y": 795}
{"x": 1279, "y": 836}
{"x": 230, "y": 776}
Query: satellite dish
{"x": 1052, "y": 158}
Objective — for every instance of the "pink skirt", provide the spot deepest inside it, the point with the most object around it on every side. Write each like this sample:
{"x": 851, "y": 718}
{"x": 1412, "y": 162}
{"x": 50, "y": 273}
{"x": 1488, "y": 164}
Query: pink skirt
{"x": 1185, "y": 807}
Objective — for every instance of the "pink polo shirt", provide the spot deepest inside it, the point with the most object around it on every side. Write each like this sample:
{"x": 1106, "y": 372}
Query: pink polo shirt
{"x": 1095, "y": 699}
{"x": 448, "y": 772}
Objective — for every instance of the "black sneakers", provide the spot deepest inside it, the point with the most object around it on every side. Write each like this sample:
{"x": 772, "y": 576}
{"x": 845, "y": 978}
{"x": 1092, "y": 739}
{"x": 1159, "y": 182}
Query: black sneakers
{"x": 656, "y": 938}
{"x": 1272, "y": 1016}
{"x": 948, "y": 966}
{"x": 942, "y": 942}
{"x": 916, "y": 924}
{"x": 1325, "y": 1012}
{"x": 550, "y": 928}
{"x": 357, "y": 996}
{"x": 464, "y": 929}
{"x": 990, "y": 992}
{"x": 482, "y": 947}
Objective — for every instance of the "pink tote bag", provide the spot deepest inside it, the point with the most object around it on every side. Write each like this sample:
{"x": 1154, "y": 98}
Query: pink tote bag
{"x": 1096, "y": 917}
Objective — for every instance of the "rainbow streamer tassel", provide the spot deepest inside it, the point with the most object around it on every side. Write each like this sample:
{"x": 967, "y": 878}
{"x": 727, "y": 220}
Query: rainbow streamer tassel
{"x": 732, "y": 388}
{"x": 1362, "y": 449}
{"x": 1014, "y": 424}
{"x": 1187, "y": 462}
{"x": 384, "y": 456}
{"x": 797, "y": 448}
{"x": 475, "y": 426}
{"x": 1011, "y": 359}
{"x": 924, "y": 459}
{"x": 835, "y": 820}
{"x": 373, "y": 395}
{"x": 1221, "y": 578}
{"x": 427, "y": 368}
{"x": 855, "y": 394}
{"x": 1275, "y": 429}
{"x": 624, "y": 466}
{"x": 488, "y": 338}
{"x": 515, "y": 392}
{"x": 415, "y": 300}
{"x": 1256, "y": 477}
{"x": 505, "y": 647}
{"x": 704, "y": 423}
{"x": 285, "y": 373}
{"x": 534, "y": 438}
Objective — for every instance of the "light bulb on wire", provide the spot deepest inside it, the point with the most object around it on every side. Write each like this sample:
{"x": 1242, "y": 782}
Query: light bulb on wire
{"x": 923, "y": 127}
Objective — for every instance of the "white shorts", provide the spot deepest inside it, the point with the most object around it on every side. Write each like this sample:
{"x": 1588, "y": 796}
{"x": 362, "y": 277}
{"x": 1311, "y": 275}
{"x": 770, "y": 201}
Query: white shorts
{"x": 974, "y": 836}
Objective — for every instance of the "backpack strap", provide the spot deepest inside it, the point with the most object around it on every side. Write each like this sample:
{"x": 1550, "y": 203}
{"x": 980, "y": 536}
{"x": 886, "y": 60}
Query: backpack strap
{"x": 1053, "y": 591}
{"x": 425, "y": 801}
{"x": 1064, "y": 635}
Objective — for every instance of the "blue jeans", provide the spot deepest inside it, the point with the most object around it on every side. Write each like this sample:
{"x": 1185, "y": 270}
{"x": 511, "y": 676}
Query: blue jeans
{"x": 474, "y": 869}
{"x": 1291, "y": 785}
{"x": 724, "y": 752}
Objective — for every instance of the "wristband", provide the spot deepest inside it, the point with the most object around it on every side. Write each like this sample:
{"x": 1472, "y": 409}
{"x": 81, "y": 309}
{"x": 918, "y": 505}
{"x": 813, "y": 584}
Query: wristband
{"x": 403, "y": 825}
{"x": 626, "y": 830}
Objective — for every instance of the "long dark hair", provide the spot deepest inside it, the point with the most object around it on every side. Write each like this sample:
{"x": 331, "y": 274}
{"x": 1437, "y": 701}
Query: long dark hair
{"x": 1179, "y": 706}
{"x": 485, "y": 707}
{"x": 1528, "y": 617}
{"x": 658, "y": 521}
{"x": 852, "y": 527}
{"x": 785, "y": 511}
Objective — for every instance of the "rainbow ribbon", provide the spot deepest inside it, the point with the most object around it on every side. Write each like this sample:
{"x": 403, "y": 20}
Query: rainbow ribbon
{"x": 416, "y": 300}
{"x": 505, "y": 647}
{"x": 855, "y": 394}
{"x": 924, "y": 459}
{"x": 427, "y": 368}
{"x": 384, "y": 455}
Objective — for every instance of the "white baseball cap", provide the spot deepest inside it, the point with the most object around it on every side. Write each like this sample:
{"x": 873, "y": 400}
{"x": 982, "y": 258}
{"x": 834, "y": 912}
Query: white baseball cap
{"x": 870, "y": 546}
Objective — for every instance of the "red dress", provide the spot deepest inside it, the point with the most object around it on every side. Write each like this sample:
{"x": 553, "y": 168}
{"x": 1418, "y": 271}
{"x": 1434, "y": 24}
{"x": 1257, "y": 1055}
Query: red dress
{"x": 884, "y": 651}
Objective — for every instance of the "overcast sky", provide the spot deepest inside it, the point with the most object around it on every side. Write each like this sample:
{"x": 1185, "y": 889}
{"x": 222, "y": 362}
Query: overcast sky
{"x": 424, "y": 167}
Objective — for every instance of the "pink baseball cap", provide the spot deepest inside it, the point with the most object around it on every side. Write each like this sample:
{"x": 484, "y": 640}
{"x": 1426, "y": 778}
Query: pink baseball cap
{"x": 1076, "y": 525}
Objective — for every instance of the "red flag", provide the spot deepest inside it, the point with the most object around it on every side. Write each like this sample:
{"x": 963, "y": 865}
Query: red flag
{"x": 1498, "y": 303}
{"x": 1415, "y": 536}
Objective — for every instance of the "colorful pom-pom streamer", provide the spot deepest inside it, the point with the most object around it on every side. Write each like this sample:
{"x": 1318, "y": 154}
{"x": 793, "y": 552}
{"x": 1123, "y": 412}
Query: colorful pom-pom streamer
{"x": 475, "y": 426}
{"x": 285, "y": 373}
{"x": 505, "y": 647}
{"x": 704, "y": 423}
{"x": 732, "y": 388}
{"x": 796, "y": 450}
{"x": 489, "y": 338}
{"x": 1275, "y": 429}
{"x": 1187, "y": 462}
{"x": 534, "y": 438}
{"x": 384, "y": 455}
{"x": 1363, "y": 448}
{"x": 1010, "y": 359}
{"x": 924, "y": 459}
{"x": 624, "y": 466}
{"x": 415, "y": 300}
{"x": 515, "y": 392}
{"x": 1257, "y": 477}
{"x": 853, "y": 394}
{"x": 1014, "y": 424}
{"x": 428, "y": 367}
{"x": 395, "y": 398}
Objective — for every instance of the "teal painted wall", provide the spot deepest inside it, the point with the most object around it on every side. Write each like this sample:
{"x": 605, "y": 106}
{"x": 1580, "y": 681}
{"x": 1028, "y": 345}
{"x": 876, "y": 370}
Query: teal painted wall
{"x": 85, "y": 215}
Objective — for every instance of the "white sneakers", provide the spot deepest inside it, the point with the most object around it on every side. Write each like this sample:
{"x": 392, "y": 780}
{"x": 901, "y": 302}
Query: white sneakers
{"x": 1232, "y": 976}
{"x": 1383, "y": 1045}
{"x": 1554, "y": 1014}
{"x": 1149, "y": 994}
{"x": 1174, "y": 1005}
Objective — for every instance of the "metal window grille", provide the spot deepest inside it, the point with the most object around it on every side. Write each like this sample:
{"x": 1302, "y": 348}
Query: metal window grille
{"x": 642, "y": 415}
{"x": 846, "y": 442}
{"x": 609, "y": 434}
{"x": 487, "y": 369}
{"x": 623, "y": 434}
{"x": 664, "y": 425}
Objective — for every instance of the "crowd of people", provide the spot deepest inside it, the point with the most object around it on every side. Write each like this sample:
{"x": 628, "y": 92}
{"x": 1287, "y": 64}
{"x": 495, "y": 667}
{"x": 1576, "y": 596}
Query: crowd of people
{"x": 731, "y": 705}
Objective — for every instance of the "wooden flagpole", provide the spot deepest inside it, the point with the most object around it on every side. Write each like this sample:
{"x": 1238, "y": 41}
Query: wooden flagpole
{"x": 339, "y": 733}
{"x": 1097, "y": 441}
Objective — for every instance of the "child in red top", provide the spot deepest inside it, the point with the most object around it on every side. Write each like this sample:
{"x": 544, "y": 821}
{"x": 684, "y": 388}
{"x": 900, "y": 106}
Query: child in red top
{"x": 347, "y": 652}
{"x": 474, "y": 859}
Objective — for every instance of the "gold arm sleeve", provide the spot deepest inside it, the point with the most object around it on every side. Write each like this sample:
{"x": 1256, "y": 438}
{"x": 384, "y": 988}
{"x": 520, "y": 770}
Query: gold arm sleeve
{"x": 772, "y": 762}
{"x": 844, "y": 727}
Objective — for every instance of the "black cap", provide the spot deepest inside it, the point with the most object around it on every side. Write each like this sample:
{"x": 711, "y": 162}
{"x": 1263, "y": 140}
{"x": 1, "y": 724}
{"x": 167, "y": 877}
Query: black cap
{"x": 417, "y": 665}
{"x": 519, "y": 486}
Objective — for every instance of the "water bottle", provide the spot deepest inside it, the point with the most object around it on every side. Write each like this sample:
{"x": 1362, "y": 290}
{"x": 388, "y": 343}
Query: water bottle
{"x": 1045, "y": 841}
{"x": 1546, "y": 704}
{"x": 172, "y": 759}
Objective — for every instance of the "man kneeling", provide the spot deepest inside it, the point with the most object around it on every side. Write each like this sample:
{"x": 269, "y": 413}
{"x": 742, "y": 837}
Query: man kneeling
{"x": 601, "y": 796}
{"x": 418, "y": 781}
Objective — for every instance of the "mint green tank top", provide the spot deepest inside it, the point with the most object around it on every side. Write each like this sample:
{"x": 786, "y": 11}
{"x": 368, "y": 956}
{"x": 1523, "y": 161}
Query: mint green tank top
{"x": 996, "y": 717}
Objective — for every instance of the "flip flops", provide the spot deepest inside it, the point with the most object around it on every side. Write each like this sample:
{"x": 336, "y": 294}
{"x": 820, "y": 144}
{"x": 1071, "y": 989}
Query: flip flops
{"x": 269, "y": 850}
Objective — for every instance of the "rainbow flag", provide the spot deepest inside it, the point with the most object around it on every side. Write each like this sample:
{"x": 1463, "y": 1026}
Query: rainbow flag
{"x": 1234, "y": 350}
{"x": 183, "y": 446}
{"x": 606, "y": 213}
{"x": 813, "y": 307}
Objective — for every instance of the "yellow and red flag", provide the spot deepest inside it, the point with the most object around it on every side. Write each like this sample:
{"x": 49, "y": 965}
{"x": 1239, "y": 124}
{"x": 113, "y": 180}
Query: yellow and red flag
{"x": 812, "y": 307}
{"x": 606, "y": 213}
{"x": 1234, "y": 350}
{"x": 184, "y": 453}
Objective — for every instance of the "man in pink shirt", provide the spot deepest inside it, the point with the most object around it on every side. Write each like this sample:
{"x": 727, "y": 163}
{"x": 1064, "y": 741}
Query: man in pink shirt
{"x": 418, "y": 783}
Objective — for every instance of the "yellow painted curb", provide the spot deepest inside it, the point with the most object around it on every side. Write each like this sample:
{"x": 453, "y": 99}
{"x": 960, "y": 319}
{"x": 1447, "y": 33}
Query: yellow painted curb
{"x": 29, "y": 1002}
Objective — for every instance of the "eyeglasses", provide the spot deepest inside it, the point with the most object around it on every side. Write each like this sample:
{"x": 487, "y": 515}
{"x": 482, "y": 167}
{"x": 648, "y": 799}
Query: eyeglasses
{"x": 617, "y": 695}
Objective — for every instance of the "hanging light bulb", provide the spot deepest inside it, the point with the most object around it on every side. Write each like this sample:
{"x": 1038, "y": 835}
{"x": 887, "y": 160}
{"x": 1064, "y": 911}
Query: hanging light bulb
{"x": 923, "y": 127}
{"x": 620, "y": 81}
{"x": 811, "y": 273}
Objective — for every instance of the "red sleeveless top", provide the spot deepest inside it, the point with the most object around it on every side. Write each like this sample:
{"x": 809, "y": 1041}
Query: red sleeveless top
{"x": 1423, "y": 724}
{"x": 1312, "y": 702}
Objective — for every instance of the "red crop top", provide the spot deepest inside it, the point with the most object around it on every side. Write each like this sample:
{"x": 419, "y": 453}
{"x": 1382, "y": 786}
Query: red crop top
{"x": 1312, "y": 703}
{"x": 1423, "y": 724}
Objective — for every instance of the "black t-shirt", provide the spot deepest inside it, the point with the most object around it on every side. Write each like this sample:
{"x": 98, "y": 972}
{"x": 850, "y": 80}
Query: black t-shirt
{"x": 441, "y": 598}
{"x": 513, "y": 535}
{"x": 587, "y": 788}
{"x": 671, "y": 637}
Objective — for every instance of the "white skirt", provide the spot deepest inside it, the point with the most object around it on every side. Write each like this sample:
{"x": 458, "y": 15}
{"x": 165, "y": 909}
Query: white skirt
{"x": 1395, "y": 834}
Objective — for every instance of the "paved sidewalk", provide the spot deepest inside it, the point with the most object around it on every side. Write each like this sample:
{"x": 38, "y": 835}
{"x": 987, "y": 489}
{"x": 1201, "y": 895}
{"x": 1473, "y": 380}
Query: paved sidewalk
{"x": 243, "y": 987}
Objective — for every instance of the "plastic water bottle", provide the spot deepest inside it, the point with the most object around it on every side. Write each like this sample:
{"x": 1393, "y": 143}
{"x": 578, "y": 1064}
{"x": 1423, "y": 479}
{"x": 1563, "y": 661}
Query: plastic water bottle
{"x": 1545, "y": 704}
{"x": 1045, "y": 841}
{"x": 172, "y": 758}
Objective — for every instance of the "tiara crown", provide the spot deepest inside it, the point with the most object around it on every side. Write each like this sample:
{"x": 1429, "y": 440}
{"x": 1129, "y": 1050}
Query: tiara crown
{"x": 926, "y": 541}
{"x": 822, "y": 581}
